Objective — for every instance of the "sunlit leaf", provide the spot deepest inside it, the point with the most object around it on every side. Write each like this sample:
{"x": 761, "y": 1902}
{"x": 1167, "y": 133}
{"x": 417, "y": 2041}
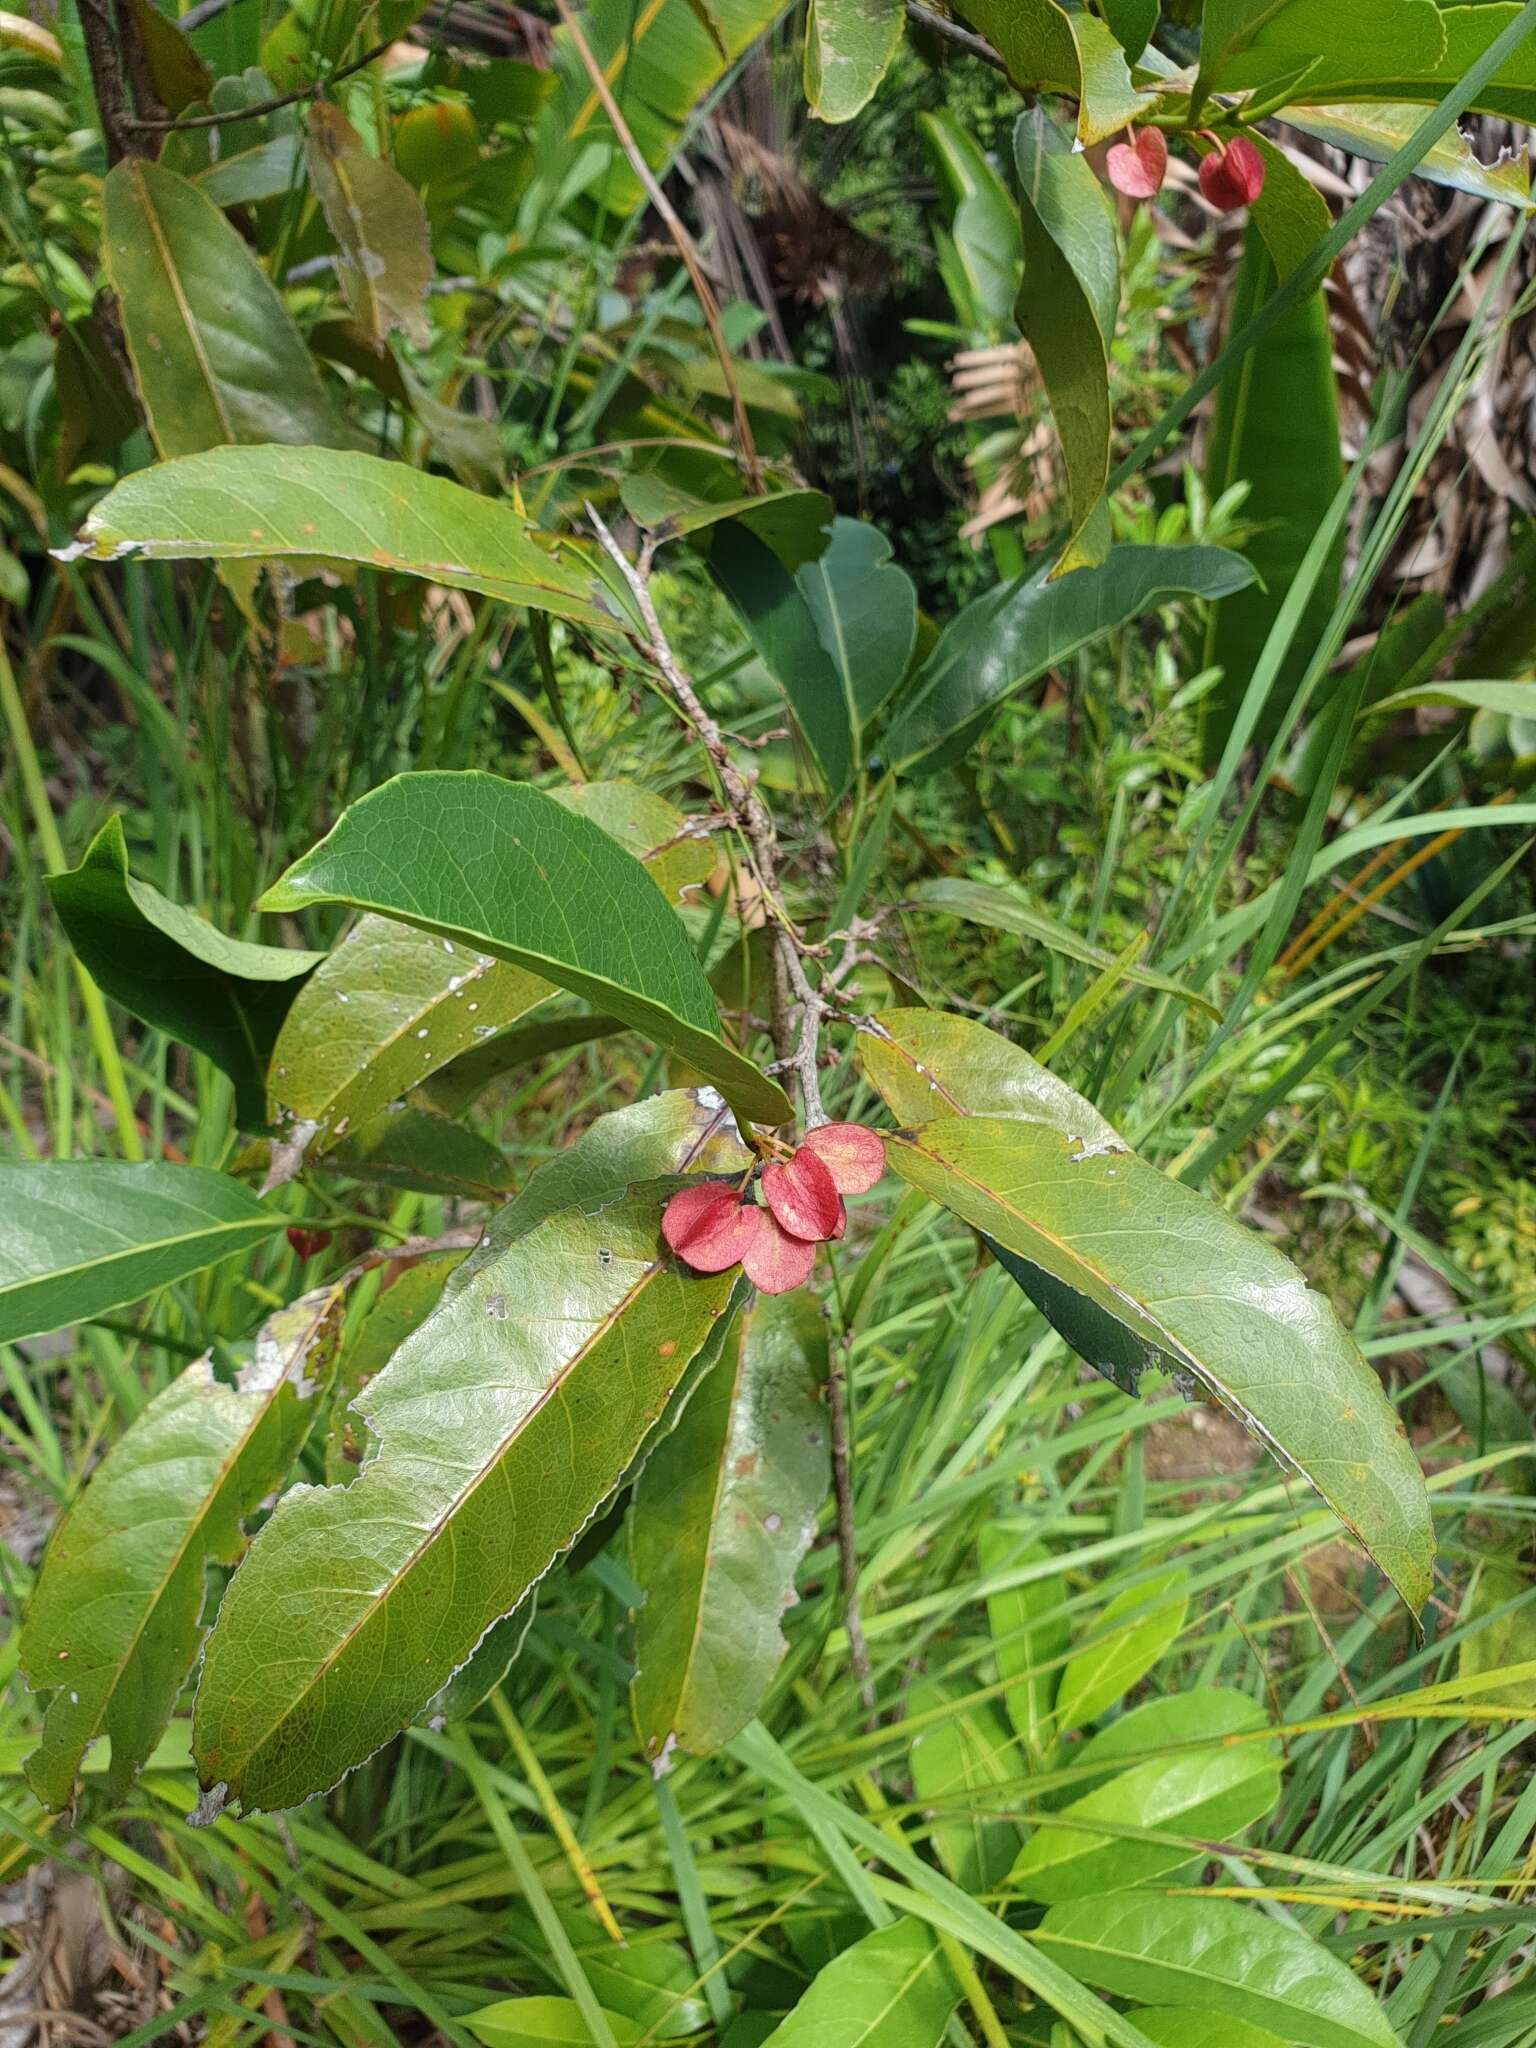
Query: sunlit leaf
{"x": 81, "y": 1236}
{"x": 543, "y": 889}
{"x": 1062, "y": 50}
{"x": 1029, "y": 1636}
{"x": 115, "y": 1621}
{"x": 1126, "y": 1638}
{"x": 893, "y": 1989}
{"x": 849, "y": 45}
{"x": 1378, "y": 132}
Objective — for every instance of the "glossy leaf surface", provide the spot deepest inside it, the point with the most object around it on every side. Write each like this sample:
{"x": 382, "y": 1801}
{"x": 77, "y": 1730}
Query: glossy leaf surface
{"x": 115, "y": 1620}
{"x": 215, "y": 354}
{"x": 81, "y": 1236}
{"x": 543, "y": 2023}
{"x": 503, "y": 1424}
{"x": 393, "y": 1004}
{"x": 546, "y": 891}
{"x": 1064, "y": 50}
{"x": 931, "y": 1063}
{"x": 1002, "y": 642}
{"x": 380, "y": 229}
{"x": 1067, "y": 308}
{"x": 176, "y": 971}
{"x": 893, "y": 1989}
{"x": 1379, "y": 132}
{"x": 849, "y": 45}
{"x": 1127, "y": 1638}
{"x": 984, "y": 224}
{"x": 721, "y": 1517}
{"x": 836, "y": 635}
{"x": 252, "y": 503}
{"x": 1217, "y": 1956}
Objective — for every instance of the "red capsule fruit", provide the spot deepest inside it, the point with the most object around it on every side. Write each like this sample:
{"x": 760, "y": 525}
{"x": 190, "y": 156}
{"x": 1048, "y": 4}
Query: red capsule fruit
{"x": 1233, "y": 176}
{"x": 1138, "y": 166}
{"x": 710, "y": 1227}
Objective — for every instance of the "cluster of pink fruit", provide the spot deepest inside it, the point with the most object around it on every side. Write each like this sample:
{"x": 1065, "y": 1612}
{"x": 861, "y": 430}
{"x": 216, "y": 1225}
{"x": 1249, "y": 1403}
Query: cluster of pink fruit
{"x": 714, "y": 1226}
{"x": 1231, "y": 175}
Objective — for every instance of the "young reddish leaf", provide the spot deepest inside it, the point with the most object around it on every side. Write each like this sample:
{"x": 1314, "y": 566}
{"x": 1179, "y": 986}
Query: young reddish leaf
{"x": 803, "y": 1196}
{"x": 775, "y": 1262}
{"x": 853, "y": 1156}
{"x": 709, "y": 1227}
{"x": 1138, "y": 167}
{"x": 1234, "y": 176}
{"x": 307, "y": 1243}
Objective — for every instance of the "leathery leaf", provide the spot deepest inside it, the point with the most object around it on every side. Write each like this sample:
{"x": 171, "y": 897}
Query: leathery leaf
{"x": 115, "y": 1621}
{"x": 503, "y": 1424}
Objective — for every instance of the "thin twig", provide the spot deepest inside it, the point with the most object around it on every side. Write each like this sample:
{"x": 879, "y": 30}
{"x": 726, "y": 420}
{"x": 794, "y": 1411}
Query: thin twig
{"x": 681, "y": 239}
{"x": 952, "y": 32}
{"x": 287, "y": 99}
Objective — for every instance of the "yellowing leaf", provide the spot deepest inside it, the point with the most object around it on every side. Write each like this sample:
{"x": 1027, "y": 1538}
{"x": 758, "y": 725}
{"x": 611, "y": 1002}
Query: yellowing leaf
{"x": 381, "y": 231}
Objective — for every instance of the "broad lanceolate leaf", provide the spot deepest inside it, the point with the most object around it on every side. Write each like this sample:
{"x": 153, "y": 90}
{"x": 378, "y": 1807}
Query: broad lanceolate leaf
{"x": 503, "y": 1424}
{"x": 114, "y": 1623}
{"x": 175, "y": 971}
{"x": 849, "y": 45}
{"x": 1135, "y": 1269}
{"x": 893, "y": 1989}
{"x": 1066, "y": 312}
{"x": 237, "y": 503}
{"x": 216, "y": 356}
{"x": 501, "y": 868}
{"x": 1175, "y": 2026}
{"x": 1211, "y": 1793}
{"x": 793, "y": 525}
{"x": 837, "y": 635}
{"x": 1124, "y": 1642}
{"x": 1379, "y": 132}
{"x": 1248, "y": 41}
{"x": 379, "y": 226}
{"x": 722, "y": 1515}
{"x": 393, "y": 1004}
{"x": 1046, "y": 45}
{"x": 984, "y": 234}
{"x": 1009, "y": 910}
{"x": 544, "y": 2022}
{"x": 1002, "y": 642}
{"x": 1217, "y": 1956}
{"x": 80, "y": 1237}
{"x": 965, "y": 1769}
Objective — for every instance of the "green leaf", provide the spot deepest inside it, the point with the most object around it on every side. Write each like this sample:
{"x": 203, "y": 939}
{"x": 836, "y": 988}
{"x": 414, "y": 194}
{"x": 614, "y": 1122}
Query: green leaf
{"x": 1007, "y": 910}
{"x": 1066, "y": 312}
{"x": 1378, "y": 132}
{"x": 1029, "y": 1635}
{"x": 1243, "y": 42}
{"x": 502, "y": 868}
{"x": 1132, "y": 22}
{"x": 721, "y": 1517}
{"x": 1045, "y": 46}
{"x": 893, "y": 1989}
{"x": 1173, "y": 2026}
{"x": 115, "y": 1621}
{"x": 1290, "y": 214}
{"x": 837, "y": 635}
{"x": 554, "y": 1353}
{"x": 1001, "y": 643}
{"x": 1499, "y": 1641}
{"x": 651, "y": 1980}
{"x": 1512, "y": 700}
{"x": 928, "y": 1063}
{"x": 397, "y": 1311}
{"x": 393, "y": 1004}
{"x": 215, "y": 354}
{"x": 1217, "y": 1956}
{"x": 791, "y": 525}
{"x": 543, "y": 2023}
{"x": 1126, "y": 1639}
{"x": 1159, "y": 1725}
{"x": 81, "y": 1236}
{"x": 266, "y": 503}
{"x": 960, "y": 1767}
{"x": 488, "y": 1664}
{"x": 174, "y": 971}
{"x": 1212, "y": 1794}
{"x": 262, "y": 170}
{"x": 177, "y": 73}
{"x": 1097, "y": 1238}
{"x": 1277, "y": 429}
{"x": 849, "y": 47}
{"x": 984, "y": 227}
{"x": 380, "y": 229}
